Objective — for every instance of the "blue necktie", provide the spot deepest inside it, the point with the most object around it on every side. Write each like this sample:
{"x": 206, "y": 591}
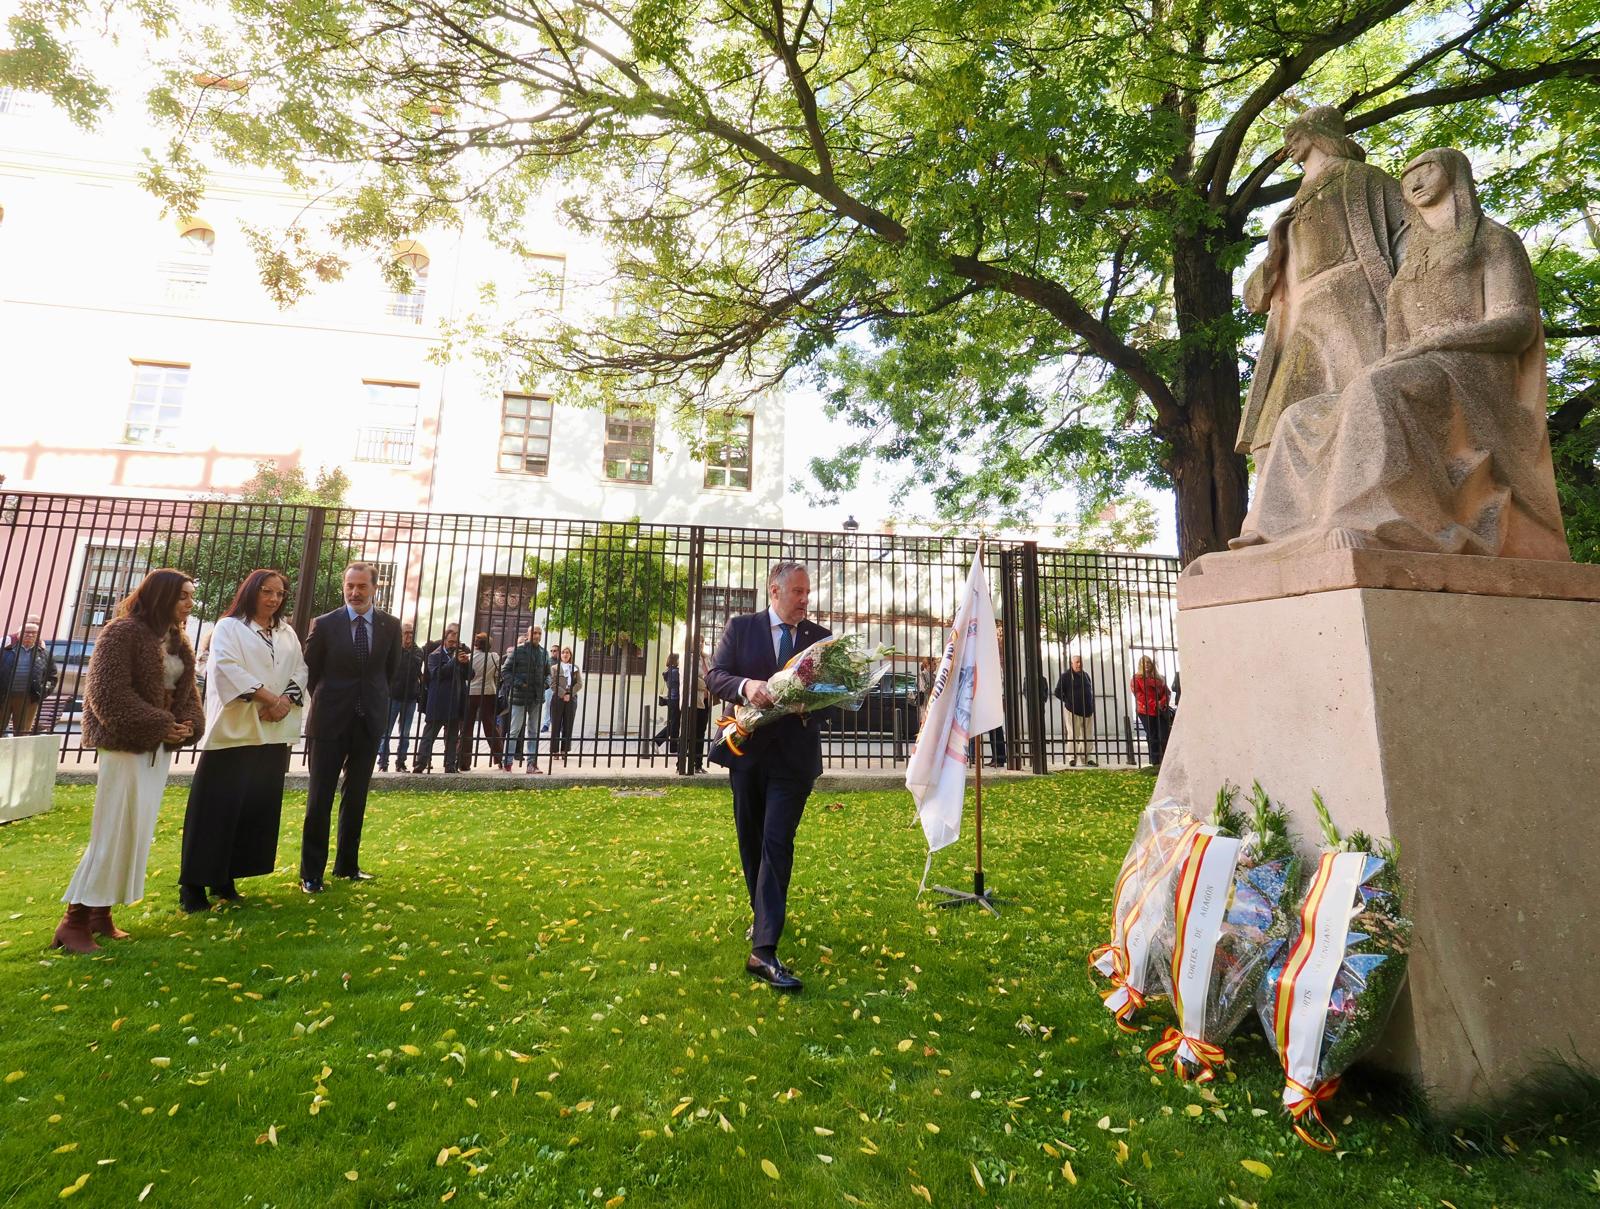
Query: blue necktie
{"x": 785, "y": 644}
{"x": 362, "y": 651}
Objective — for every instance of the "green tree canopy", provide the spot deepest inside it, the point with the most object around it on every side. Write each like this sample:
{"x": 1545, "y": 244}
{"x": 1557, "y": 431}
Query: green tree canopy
{"x": 264, "y": 525}
{"x": 1006, "y": 228}
{"x": 618, "y": 585}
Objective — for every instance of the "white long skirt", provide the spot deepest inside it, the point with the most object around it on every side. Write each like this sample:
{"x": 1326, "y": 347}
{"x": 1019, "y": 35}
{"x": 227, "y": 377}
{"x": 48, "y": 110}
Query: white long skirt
{"x": 127, "y": 799}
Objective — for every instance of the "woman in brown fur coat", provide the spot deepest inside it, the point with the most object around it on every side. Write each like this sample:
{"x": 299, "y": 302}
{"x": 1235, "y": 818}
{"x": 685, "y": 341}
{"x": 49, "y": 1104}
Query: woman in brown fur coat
{"x": 140, "y": 703}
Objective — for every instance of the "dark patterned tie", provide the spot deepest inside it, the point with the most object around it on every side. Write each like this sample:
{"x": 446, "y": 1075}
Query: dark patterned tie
{"x": 785, "y": 644}
{"x": 362, "y": 651}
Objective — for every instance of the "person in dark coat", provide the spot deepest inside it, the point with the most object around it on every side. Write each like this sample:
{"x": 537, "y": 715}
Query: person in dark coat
{"x": 1075, "y": 691}
{"x": 27, "y": 674}
{"x": 781, "y": 761}
{"x": 527, "y": 675}
{"x": 352, "y": 656}
{"x": 406, "y": 692}
{"x": 448, "y": 673}
{"x": 668, "y": 734}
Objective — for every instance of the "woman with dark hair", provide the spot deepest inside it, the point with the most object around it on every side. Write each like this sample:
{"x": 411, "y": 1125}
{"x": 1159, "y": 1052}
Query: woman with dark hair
{"x": 1152, "y": 701}
{"x": 565, "y": 682}
{"x": 140, "y": 702}
{"x": 253, "y": 700}
{"x": 482, "y": 690}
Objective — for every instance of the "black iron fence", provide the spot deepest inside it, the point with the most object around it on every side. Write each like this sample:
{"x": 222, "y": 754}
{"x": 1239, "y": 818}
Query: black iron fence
{"x": 624, "y": 597}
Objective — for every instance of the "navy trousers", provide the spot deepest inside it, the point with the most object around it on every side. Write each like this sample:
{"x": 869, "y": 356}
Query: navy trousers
{"x": 766, "y": 814}
{"x": 351, "y": 753}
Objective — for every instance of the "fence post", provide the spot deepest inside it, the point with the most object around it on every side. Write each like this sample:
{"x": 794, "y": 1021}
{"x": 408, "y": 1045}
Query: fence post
{"x": 305, "y": 590}
{"x": 1032, "y": 658}
{"x": 1008, "y": 653}
{"x": 688, "y": 707}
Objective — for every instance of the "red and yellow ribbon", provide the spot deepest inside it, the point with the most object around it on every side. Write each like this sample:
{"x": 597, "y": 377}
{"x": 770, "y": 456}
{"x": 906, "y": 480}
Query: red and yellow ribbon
{"x": 1307, "y": 1106}
{"x": 1121, "y": 972}
{"x": 1283, "y": 1010}
{"x": 1116, "y": 948}
{"x": 1132, "y": 1001}
{"x": 1183, "y": 906}
{"x": 733, "y": 745}
{"x": 1207, "y": 1057}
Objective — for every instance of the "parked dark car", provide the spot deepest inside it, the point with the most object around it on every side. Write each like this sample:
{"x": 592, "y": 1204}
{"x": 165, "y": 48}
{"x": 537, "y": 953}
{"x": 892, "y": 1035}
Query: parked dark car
{"x": 72, "y": 665}
{"x": 895, "y": 694}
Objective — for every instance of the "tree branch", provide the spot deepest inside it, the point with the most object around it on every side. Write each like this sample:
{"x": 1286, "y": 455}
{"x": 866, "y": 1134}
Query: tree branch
{"x": 1216, "y": 166}
{"x": 1558, "y": 331}
{"x": 1491, "y": 85}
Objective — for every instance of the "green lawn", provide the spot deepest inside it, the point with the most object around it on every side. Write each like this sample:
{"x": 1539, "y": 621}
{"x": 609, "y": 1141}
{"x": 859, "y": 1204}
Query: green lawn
{"x": 540, "y": 1003}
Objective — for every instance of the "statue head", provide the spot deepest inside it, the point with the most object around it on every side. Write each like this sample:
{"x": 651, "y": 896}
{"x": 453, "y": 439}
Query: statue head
{"x": 1444, "y": 173}
{"x": 1320, "y": 126}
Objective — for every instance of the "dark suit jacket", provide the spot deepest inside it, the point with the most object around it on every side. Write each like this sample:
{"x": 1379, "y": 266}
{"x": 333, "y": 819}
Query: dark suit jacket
{"x": 791, "y": 745}
{"x": 333, "y": 683}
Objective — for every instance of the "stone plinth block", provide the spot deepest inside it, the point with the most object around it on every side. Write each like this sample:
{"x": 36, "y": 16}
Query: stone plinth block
{"x": 1464, "y": 726}
{"x": 27, "y": 775}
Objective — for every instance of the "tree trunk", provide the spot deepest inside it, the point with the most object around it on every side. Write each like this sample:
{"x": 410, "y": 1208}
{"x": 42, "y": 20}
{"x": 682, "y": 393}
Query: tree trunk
{"x": 1208, "y": 477}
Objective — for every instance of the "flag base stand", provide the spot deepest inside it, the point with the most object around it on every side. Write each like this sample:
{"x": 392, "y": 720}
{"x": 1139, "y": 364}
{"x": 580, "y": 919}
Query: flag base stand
{"x": 980, "y": 896}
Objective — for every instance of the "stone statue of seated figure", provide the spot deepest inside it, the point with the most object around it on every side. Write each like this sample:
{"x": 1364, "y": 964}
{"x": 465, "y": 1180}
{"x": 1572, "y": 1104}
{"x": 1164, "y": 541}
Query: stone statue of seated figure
{"x": 1440, "y": 446}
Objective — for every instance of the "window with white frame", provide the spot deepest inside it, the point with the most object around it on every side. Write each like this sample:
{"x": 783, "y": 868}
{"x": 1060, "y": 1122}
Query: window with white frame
{"x": 15, "y": 100}
{"x": 187, "y": 272}
{"x": 155, "y": 412}
{"x": 110, "y": 573}
{"x": 630, "y": 446}
{"x": 409, "y": 303}
{"x": 524, "y": 434}
{"x": 388, "y": 431}
{"x": 547, "y": 281}
{"x": 728, "y": 452}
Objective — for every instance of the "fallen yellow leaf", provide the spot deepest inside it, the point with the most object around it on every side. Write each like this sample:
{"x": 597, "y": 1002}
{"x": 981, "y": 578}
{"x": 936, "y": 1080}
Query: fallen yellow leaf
{"x": 1255, "y": 1167}
{"x": 76, "y": 1184}
{"x": 922, "y": 1191}
{"x": 352, "y": 1176}
{"x": 163, "y": 1063}
{"x": 1068, "y": 1174}
{"x": 771, "y": 1168}
{"x": 66, "y": 1148}
{"x": 15, "y": 1075}
{"x": 412, "y": 1050}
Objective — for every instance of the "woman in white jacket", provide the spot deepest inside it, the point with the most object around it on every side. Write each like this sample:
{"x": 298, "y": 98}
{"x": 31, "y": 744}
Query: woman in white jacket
{"x": 254, "y": 688}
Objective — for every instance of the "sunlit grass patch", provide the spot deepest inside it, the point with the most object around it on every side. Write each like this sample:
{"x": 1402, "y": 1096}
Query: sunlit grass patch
{"x": 540, "y": 1002}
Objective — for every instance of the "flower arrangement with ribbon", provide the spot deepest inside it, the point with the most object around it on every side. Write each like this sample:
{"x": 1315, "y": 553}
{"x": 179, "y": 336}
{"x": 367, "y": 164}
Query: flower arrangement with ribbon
{"x": 1141, "y": 896}
{"x": 1326, "y": 998}
{"x": 1233, "y": 890}
{"x": 836, "y": 671}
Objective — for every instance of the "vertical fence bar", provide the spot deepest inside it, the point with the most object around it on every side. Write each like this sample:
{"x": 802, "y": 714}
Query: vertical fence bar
{"x": 1033, "y": 676}
{"x": 305, "y": 594}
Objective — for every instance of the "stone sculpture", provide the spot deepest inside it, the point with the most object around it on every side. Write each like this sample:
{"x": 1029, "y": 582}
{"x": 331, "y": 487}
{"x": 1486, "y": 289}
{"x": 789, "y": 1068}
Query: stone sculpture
{"x": 1330, "y": 257}
{"x": 1439, "y": 445}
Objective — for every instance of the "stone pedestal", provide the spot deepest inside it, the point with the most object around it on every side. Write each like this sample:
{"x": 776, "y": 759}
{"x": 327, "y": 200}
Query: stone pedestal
{"x": 27, "y": 775}
{"x": 1454, "y": 704}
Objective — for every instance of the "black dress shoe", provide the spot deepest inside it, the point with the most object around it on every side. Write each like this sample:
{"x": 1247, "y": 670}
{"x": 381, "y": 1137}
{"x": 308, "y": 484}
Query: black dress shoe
{"x": 227, "y": 892}
{"x": 310, "y": 887}
{"x": 358, "y": 876}
{"x": 192, "y": 899}
{"x": 774, "y": 973}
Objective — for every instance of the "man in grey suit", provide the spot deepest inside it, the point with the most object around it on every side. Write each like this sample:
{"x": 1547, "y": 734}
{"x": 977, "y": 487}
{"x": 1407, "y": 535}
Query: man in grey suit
{"x": 352, "y": 655}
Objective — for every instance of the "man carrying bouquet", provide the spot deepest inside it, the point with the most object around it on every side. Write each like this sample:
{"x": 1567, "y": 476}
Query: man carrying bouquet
{"x": 779, "y": 763}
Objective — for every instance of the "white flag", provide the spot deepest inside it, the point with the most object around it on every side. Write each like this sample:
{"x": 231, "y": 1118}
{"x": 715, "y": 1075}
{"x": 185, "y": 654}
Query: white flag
{"x": 965, "y": 701}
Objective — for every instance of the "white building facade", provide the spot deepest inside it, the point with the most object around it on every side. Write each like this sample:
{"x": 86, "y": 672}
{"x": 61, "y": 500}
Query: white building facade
{"x": 143, "y": 356}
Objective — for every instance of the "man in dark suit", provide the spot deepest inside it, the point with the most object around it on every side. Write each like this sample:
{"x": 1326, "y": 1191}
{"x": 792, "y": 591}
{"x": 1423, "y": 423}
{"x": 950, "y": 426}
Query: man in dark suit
{"x": 781, "y": 760}
{"x": 352, "y": 656}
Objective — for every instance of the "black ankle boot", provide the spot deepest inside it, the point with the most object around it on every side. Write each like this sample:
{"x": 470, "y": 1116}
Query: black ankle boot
{"x": 192, "y": 899}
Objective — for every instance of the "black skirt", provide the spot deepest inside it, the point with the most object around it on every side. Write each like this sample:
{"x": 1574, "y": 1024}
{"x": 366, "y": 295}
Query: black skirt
{"x": 231, "y": 827}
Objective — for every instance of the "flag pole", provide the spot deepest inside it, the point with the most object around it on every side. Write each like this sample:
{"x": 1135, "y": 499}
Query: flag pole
{"x": 980, "y": 894}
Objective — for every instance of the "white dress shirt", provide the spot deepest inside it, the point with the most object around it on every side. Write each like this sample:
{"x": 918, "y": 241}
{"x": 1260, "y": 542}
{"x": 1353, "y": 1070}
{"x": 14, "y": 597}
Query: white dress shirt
{"x": 776, "y": 623}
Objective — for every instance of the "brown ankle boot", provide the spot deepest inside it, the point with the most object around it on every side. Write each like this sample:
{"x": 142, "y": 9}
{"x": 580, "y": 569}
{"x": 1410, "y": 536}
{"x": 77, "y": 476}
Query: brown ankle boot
{"x": 73, "y": 932}
{"x": 100, "y": 924}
